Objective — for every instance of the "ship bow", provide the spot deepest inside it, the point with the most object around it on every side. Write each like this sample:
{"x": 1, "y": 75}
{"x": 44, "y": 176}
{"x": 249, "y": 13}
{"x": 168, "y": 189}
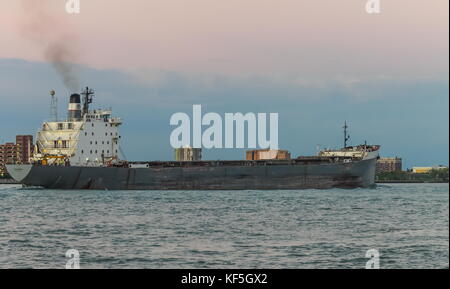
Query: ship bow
{"x": 19, "y": 172}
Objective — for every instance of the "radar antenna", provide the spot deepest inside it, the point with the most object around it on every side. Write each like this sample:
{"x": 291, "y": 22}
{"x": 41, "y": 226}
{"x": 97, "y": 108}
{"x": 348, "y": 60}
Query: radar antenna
{"x": 87, "y": 99}
{"x": 346, "y": 136}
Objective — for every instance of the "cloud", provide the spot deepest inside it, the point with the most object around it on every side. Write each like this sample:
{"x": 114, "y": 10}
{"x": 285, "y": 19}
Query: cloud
{"x": 309, "y": 37}
{"x": 408, "y": 117}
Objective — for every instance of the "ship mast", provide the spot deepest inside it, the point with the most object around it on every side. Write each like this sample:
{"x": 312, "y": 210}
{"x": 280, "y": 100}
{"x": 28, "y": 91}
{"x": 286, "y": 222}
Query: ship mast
{"x": 346, "y": 136}
{"x": 87, "y": 99}
{"x": 53, "y": 106}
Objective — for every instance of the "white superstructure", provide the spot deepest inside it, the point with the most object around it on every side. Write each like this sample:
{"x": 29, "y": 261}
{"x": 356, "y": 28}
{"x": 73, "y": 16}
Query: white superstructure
{"x": 362, "y": 151}
{"x": 86, "y": 138}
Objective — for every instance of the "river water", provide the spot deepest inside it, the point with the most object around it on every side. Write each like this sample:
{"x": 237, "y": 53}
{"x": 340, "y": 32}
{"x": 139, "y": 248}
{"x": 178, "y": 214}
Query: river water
{"x": 407, "y": 223}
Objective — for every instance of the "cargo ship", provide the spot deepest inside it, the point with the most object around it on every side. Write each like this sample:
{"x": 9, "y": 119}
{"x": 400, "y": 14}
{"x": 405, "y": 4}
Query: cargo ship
{"x": 82, "y": 153}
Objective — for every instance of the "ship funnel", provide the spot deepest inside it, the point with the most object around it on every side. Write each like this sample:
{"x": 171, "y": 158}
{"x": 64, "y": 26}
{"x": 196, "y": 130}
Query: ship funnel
{"x": 75, "y": 107}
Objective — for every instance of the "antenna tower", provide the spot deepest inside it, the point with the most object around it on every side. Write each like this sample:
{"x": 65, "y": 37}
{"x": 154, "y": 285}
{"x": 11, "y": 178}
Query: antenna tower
{"x": 53, "y": 106}
{"x": 346, "y": 136}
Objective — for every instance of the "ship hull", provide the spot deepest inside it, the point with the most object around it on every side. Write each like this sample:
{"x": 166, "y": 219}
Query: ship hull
{"x": 280, "y": 177}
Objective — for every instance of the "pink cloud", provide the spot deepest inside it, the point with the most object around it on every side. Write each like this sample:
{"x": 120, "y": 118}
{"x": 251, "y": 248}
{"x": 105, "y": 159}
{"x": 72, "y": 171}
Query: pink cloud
{"x": 248, "y": 36}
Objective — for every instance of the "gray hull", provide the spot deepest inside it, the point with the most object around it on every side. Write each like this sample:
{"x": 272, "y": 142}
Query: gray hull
{"x": 219, "y": 177}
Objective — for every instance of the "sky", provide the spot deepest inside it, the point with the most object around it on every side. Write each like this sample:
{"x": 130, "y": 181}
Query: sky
{"x": 315, "y": 62}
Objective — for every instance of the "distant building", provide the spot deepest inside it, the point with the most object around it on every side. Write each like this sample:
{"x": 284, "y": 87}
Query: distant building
{"x": 16, "y": 153}
{"x": 268, "y": 154}
{"x": 385, "y": 165}
{"x": 25, "y": 147}
{"x": 187, "y": 153}
{"x": 424, "y": 170}
{"x": 9, "y": 154}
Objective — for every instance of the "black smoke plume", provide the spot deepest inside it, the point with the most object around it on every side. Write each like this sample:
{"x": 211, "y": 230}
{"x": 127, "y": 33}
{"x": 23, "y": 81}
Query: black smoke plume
{"x": 52, "y": 34}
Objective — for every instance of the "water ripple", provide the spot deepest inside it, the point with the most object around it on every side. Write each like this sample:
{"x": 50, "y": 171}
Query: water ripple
{"x": 407, "y": 223}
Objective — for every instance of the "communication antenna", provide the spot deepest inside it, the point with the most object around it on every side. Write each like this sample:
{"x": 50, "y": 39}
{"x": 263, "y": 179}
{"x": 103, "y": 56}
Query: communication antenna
{"x": 53, "y": 106}
{"x": 87, "y": 99}
{"x": 346, "y": 136}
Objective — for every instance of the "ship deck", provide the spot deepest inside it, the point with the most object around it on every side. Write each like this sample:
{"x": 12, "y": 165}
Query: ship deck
{"x": 307, "y": 160}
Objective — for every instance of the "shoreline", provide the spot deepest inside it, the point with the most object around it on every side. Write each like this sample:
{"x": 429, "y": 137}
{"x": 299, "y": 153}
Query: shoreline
{"x": 408, "y": 182}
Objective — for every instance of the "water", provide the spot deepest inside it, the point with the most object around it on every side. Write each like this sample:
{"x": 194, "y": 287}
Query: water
{"x": 407, "y": 223}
